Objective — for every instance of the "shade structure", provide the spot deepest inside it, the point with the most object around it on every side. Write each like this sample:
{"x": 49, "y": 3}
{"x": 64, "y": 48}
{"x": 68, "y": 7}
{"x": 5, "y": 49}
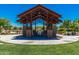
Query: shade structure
{"x": 39, "y": 11}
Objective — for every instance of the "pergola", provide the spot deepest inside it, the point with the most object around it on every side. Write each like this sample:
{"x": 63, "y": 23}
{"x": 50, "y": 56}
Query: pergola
{"x": 39, "y": 11}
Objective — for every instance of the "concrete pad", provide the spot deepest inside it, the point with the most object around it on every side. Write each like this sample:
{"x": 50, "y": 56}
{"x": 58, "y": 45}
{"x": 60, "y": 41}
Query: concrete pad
{"x": 63, "y": 40}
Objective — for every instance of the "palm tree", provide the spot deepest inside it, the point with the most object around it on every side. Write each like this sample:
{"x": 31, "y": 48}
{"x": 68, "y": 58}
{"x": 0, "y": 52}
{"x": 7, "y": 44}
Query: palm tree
{"x": 66, "y": 25}
{"x": 76, "y": 23}
{"x": 70, "y": 26}
{"x": 61, "y": 29}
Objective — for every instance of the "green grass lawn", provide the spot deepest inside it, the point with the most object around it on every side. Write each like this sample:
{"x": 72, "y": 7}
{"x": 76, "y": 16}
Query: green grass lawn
{"x": 63, "y": 49}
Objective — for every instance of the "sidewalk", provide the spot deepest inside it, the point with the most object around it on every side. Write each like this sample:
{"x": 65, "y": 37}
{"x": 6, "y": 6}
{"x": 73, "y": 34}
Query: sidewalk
{"x": 63, "y": 40}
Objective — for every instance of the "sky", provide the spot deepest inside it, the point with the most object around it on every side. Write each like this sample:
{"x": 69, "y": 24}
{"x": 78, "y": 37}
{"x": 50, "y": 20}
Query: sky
{"x": 10, "y": 11}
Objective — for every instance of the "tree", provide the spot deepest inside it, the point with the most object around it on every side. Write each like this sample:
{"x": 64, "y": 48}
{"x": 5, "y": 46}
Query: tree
{"x": 5, "y": 24}
{"x": 70, "y": 26}
{"x": 66, "y": 23}
{"x": 76, "y": 24}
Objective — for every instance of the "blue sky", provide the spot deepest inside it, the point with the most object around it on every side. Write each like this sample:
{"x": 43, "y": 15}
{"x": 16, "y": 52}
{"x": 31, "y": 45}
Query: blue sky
{"x": 10, "y": 11}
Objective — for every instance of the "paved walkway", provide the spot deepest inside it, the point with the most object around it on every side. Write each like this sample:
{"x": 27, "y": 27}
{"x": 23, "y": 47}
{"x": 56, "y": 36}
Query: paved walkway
{"x": 63, "y": 40}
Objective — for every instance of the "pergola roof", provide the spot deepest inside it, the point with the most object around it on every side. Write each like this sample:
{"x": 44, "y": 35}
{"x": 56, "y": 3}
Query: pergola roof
{"x": 39, "y": 12}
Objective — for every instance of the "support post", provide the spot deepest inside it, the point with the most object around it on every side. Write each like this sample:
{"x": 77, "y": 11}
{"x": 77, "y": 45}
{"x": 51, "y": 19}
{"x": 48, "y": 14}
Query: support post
{"x": 24, "y": 30}
{"x": 54, "y": 30}
{"x": 43, "y": 25}
{"x": 47, "y": 25}
{"x": 31, "y": 25}
{"x": 35, "y": 25}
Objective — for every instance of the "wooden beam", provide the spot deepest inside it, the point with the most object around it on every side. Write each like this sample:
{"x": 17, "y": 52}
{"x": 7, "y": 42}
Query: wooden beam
{"x": 39, "y": 8}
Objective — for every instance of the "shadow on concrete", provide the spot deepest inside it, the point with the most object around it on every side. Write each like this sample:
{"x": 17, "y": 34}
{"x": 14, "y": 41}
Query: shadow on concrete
{"x": 34, "y": 38}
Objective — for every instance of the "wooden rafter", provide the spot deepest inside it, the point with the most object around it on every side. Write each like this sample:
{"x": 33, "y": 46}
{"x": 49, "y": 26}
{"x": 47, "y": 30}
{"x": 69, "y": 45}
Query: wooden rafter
{"x": 39, "y": 12}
